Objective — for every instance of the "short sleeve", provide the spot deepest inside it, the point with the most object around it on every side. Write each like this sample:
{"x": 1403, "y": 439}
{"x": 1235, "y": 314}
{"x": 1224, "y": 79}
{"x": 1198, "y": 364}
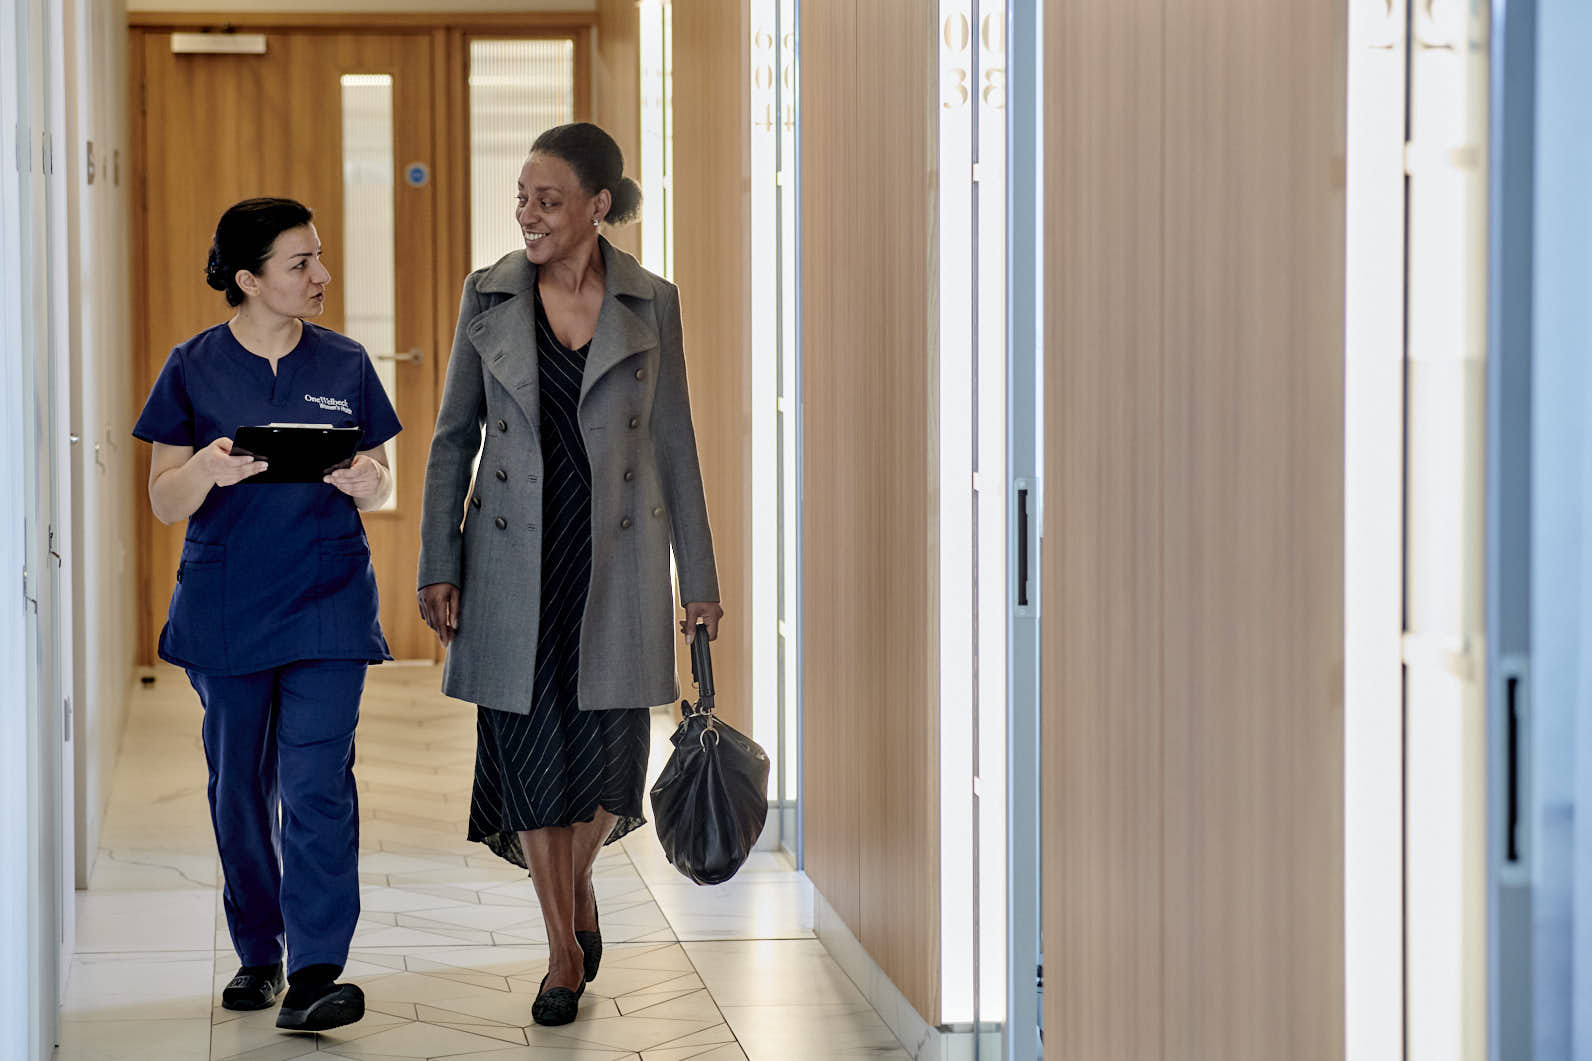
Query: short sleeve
{"x": 168, "y": 412}
{"x": 377, "y": 419}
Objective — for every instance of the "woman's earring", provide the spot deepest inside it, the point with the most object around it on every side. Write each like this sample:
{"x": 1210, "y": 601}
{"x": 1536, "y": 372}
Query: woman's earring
{"x": 596, "y": 222}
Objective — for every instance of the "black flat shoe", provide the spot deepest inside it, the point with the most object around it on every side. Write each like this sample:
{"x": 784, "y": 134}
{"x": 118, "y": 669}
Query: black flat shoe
{"x": 341, "y": 1004}
{"x": 255, "y": 987}
{"x": 591, "y": 948}
{"x": 556, "y": 1005}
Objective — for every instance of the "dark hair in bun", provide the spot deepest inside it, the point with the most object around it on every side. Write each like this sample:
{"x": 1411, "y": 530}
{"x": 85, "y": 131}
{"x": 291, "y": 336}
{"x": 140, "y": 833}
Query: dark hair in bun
{"x": 244, "y": 238}
{"x": 597, "y": 163}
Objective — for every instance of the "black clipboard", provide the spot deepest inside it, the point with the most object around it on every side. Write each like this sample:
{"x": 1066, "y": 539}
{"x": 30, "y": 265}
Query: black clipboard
{"x": 297, "y": 453}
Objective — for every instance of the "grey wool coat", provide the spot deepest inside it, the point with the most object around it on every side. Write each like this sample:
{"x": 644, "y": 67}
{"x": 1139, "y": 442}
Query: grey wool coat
{"x": 646, "y": 491}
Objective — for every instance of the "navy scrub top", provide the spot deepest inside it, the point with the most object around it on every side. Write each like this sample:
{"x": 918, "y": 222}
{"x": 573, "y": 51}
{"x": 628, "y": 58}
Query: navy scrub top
{"x": 270, "y": 573}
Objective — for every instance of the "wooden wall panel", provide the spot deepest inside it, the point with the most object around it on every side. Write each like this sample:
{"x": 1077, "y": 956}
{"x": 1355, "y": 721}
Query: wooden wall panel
{"x": 1253, "y": 658}
{"x": 617, "y": 90}
{"x": 1194, "y": 549}
{"x": 870, "y": 550}
{"x": 1101, "y": 549}
{"x": 832, "y": 564}
{"x": 712, "y": 252}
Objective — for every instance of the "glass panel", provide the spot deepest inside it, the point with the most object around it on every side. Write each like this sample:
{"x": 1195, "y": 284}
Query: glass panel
{"x": 518, "y": 89}
{"x": 370, "y": 293}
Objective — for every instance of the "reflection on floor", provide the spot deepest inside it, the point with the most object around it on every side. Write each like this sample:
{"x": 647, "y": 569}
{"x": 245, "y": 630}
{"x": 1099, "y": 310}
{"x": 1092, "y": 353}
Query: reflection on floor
{"x": 450, "y": 946}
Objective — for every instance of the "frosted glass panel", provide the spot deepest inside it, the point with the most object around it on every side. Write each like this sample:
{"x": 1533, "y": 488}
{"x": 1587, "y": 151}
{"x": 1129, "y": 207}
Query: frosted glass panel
{"x": 518, "y": 89}
{"x": 370, "y": 297}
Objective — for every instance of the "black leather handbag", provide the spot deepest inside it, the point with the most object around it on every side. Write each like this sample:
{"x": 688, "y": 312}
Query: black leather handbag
{"x": 711, "y": 800}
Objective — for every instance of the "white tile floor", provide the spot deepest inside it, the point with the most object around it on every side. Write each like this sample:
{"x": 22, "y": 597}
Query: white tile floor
{"x": 449, "y": 947}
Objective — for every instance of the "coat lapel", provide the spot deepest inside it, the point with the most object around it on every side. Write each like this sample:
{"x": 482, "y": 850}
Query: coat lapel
{"x": 621, "y": 330}
{"x": 505, "y": 335}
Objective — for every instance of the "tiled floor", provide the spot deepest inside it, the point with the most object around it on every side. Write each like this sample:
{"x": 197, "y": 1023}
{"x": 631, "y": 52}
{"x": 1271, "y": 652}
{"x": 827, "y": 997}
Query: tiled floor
{"x": 450, "y": 946}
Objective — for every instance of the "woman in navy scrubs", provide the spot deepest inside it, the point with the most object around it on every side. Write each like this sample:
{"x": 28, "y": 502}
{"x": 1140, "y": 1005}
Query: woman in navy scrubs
{"x": 274, "y": 615}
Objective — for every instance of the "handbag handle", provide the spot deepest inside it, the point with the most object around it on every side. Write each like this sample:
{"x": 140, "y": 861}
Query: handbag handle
{"x": 702, "y": 668}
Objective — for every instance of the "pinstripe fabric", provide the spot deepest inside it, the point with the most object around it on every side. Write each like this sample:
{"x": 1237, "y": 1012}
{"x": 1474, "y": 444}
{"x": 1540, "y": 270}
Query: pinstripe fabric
{"x": 556, "y": 765}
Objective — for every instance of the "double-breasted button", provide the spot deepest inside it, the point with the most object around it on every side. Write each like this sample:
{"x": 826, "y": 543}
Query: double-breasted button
{"x": 475, "y": 501}
{"x": 630, "y": 476}
{"x": 635, "y": 421}
{"x": 624, "y": 524}
{"x": 641, "y": 373}
{"x": 502, "y": 476}
{"x": 532, "y": 478}
{"x": 656, "y": 512}
{"x": 503, "y": 427}
{"x": 502, "y": 524}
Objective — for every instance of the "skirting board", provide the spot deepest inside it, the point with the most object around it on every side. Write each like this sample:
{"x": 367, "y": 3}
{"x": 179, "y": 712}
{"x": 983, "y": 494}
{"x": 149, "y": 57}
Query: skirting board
{"x": 922, "y": 1040}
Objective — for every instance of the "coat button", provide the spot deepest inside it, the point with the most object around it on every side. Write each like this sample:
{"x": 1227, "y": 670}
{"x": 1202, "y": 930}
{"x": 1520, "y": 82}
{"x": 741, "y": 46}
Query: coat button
{"x": 475, "y": 501}
{"x": 630, "y": 476}
{"x": 657, "y": 512}
{"x": 624, "y": 524}
{"x": 503, "y": 426}
{"x": 502, "y": 476}
{"x": 635, "y": 421}
{"x": 641, "y": 373}
{"x": 502, "y": 524}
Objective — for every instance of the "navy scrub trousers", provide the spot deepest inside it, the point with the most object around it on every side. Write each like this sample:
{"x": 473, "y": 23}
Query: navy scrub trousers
{"x": 286, "y": 736}
{"x": 274, "y": 617}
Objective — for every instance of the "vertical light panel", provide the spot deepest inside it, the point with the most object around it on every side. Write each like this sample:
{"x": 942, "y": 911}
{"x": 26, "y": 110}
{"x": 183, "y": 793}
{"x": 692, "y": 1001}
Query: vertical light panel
{"x": 957, "y": 404}
{"x": 657, "y": 136}
{"x": 989, "y": 482}
{"x": 787, "y": 102}
{"x": 518, "y": 90}
{"x": 765, "y": 342}
{"x": 1373, "y": 533}
{"x": 370, "y": 299}
{"x": 1445, "y": 768}
{"x": 972, "y": 455}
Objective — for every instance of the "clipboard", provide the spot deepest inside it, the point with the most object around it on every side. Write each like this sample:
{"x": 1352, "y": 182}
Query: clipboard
{"x": 297, "y": 453}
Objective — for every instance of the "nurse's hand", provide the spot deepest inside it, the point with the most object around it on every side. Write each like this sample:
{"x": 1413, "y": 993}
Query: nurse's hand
{"x": 222, "y": 468}
{"x": 707, "y": 612}
{"x": 439, "y": 607}
{"x": 362, "y": 480}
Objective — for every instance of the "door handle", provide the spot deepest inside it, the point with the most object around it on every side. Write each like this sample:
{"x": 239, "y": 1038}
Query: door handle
{"x": 413, "y": 356}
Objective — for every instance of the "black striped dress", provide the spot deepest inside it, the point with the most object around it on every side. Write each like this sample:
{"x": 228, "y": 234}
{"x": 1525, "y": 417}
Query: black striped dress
{"x": 558, "y": 764}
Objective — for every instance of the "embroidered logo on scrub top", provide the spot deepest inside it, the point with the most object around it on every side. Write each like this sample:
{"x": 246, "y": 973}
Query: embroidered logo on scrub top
{"x": 331, "y": 405}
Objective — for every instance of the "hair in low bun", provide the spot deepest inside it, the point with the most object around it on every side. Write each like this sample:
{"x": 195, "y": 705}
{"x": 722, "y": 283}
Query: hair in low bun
{"x": 244, "y": 238}
{"x": 627, "y": 202}
{"x": 216, "y": 274}
{"x": 598, "y": 164}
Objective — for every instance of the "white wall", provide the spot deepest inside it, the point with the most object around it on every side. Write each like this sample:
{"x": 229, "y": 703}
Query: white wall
{"x": 17, "y": 200}
{"x": 104, "y": 494}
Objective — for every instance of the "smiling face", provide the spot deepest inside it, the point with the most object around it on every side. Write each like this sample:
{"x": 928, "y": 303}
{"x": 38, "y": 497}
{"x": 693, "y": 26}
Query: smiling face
{"x": 553, "y": 211}
{"x": 292, "y": 282}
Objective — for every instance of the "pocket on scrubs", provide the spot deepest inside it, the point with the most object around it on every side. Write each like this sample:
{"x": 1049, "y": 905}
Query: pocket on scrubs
{"x": 196, "y": 622}
{"x": 347, "y": 588}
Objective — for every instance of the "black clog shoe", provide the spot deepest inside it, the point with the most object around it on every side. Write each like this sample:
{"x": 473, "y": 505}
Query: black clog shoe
{"x": 255, "y": 987}
{"x": 340, "y": 1004}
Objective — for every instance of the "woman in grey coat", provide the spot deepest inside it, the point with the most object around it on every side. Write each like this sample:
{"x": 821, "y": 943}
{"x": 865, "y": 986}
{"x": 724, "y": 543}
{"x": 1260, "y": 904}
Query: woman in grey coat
{"x": 547, "y": 576}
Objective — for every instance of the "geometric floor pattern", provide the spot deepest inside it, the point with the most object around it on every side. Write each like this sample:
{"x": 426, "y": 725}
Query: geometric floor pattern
{"x": 450, "y": 947}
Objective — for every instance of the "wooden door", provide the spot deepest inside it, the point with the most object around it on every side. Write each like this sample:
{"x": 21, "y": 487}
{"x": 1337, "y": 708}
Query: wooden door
{"x": 218, "y": 128}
